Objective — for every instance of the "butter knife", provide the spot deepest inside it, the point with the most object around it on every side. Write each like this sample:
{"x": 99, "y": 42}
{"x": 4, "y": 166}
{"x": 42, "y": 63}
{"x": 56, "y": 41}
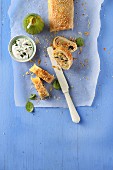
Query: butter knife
{"x": 64, "y": 86}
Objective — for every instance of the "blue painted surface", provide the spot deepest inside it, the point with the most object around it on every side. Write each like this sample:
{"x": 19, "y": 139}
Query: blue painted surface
{"x": 49, "y": 140}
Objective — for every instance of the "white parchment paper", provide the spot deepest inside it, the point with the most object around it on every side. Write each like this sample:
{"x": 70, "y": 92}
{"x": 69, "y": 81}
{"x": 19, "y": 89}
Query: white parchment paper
{"x": 83, "y": 75}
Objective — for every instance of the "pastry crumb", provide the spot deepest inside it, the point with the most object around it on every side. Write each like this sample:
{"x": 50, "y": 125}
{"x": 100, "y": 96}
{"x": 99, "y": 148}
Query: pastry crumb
{"x": 80, "y": 33}
{"x": 80, "y": 50}
{"x": 39, "y": 61}
{"x": 56, "y": 67}
{"x": 31, "y": 61}
{"x": 86, "y": 33}
{"x": 27, "y": 73}
{"x": 51, "y": 88}
{"x": 75, "y": 58}
{"x": 37, "y": 40}
{"x": 82, "y": 64}
{"x": 104, "y": 49}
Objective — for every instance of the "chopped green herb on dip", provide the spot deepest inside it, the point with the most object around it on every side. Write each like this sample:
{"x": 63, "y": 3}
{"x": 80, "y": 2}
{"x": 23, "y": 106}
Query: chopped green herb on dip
{"x": 22, "y": 48}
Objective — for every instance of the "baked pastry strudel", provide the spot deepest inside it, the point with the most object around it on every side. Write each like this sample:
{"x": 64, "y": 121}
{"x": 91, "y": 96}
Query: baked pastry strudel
{"x": 61, "y": 14}
{"x": 64, "y": 42}
{"x": 42, "y": 73}
{"x": 63, "y": 57}
{"x": 43, "y": 93}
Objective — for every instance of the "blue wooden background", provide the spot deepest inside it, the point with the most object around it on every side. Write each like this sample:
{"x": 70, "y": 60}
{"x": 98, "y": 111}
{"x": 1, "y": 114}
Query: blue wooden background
{"x": 49, "y": 140}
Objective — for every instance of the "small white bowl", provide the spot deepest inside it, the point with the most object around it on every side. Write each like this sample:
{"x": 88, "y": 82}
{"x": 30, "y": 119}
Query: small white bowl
{"x": 12, "y": 42}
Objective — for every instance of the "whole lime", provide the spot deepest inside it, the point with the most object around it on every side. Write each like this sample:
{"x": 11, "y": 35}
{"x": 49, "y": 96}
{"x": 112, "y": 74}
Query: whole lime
{"x": 33, "y": 24}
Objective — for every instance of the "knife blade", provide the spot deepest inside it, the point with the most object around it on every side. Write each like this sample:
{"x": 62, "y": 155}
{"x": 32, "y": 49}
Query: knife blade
{"x": 58, "y": 71}
{"x": 64, "y": 86}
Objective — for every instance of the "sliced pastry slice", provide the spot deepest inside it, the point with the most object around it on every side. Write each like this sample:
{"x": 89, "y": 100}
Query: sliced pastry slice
{"x": 64, "y": 42}
{"x": 63, "y": 57}
{"x": 61, "y": 14}
{"x": 42, "y": 73}
{"x": 42, "y": 91}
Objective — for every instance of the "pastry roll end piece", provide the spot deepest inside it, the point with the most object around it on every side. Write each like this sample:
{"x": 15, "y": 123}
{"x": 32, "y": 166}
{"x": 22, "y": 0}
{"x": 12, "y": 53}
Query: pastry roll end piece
{"x": 64, "y": 42}
{"x": 61, "y": 14}
{"x": 63, "y": 57}
{"x": 43, "y": 93}
{"x": 42, "y": 73}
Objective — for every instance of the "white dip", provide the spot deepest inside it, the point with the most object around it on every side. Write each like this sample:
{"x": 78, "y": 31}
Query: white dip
{"x": 22, "y": 48}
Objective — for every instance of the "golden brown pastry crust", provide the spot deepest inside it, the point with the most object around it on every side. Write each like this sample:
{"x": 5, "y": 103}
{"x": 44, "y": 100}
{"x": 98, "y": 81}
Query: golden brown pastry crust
{"x": 61, "y": 14}
{"x": 64, "y": 42}
{"x": 43, "y": 93}
{"x": 42, "y": 73}
{"x": 63, "y": 57}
